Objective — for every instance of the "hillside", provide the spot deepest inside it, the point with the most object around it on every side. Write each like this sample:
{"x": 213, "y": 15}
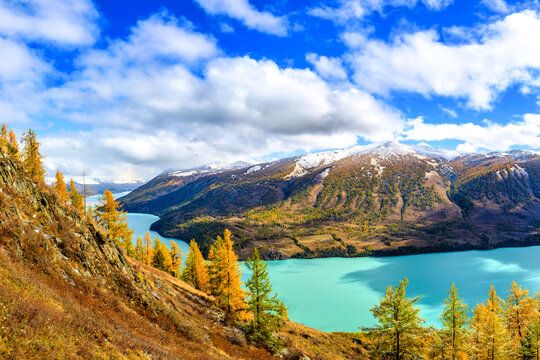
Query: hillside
{"x": 381, "y": 199}
{"x": 68, "y": 292}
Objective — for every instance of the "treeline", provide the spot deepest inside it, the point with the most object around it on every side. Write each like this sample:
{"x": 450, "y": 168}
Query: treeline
{"x": 256, "y": 309}
{"x": 496, "y": 329}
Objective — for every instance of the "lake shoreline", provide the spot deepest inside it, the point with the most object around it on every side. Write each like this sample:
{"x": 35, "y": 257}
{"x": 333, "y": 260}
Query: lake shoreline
{"x": 533, "y": 240}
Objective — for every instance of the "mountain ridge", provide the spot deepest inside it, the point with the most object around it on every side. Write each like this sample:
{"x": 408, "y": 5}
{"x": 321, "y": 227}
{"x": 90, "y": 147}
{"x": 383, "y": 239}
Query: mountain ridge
{"x": 386, "y": 198}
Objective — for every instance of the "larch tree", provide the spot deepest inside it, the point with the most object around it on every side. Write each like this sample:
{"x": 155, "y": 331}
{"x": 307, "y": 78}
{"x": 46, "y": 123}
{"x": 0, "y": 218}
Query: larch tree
{"x": 230, "y": 293}
{"x": 176, "y": 259}
{"x": 399, "y": 324}
{"x": 115, "y": 221}
{"x": 13, "y": 145}
{"x": 454, "y": 321}
{"x": 195, "y": 270}
{"x": 158, "y": 261}
{"x": 492, "y": 332}
{"x": 148, "y": 250}
{"x": 530, "y": 344}
{"x": 4, "y": 139}
{"x": 74, "y": 196}
{"x": 60, "y": 187}
{"x": 267, "y": 310}
{"x": 475, "y": 328}
{"x": 520, "y": 309}
{"x": 139, "y": 249}
{"x": 215, "y": 274}
{"x": 32, "y": 158}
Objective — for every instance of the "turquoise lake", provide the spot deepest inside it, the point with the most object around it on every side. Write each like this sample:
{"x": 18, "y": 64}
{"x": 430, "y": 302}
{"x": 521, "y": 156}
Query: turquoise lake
{"x": 335, "y": 294}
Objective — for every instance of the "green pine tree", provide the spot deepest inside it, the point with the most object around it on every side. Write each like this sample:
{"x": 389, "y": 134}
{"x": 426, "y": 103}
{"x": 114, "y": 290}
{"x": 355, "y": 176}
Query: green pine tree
{"x": 399, "y": 324}
{"x": 266, "y": 308}
{"x": 530, "y": 345}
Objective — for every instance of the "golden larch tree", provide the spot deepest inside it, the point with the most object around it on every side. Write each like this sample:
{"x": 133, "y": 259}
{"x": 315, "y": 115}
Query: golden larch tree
{"x": 520, "y": 310}
{"x": 32, "y": 158}
{"x": 115, "y": 221}
{"x": 231, "y": 294}
{"x": 195, "y": 270}
{"x": 176, "y": 259}
{"x": 13, "y": 145}
{"x": 492, "y": 334}
{"x": 74, "y": 196}
{"x": 4, "y": 139}
{"x": 148, "y": 250}
{"x": 139, "y": 249}
{"x": 60, "y": 187}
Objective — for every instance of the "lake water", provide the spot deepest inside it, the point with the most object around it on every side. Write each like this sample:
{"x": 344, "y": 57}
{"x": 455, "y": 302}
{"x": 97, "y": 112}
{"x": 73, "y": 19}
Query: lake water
{"x": 140, "y": 223}
{"x": 335, "y": 294}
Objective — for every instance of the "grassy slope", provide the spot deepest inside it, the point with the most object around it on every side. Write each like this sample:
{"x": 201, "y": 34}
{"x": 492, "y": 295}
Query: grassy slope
{"x": 68, "y": 292}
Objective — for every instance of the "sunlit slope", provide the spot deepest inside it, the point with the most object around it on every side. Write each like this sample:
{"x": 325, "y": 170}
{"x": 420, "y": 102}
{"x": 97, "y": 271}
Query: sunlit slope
{"x": 67, "y": 291}
{"x": 390, "y": 198}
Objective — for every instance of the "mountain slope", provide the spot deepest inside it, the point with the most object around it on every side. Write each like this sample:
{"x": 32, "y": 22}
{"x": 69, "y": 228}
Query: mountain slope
{"x": 389, "y": 198}
{"x": 68, "y": 292}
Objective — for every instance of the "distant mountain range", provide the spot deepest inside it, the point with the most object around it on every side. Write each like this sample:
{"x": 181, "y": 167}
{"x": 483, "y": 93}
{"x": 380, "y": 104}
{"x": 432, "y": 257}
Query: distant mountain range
{"x": 381, "y": 199}
{"x": 99, "y": 188}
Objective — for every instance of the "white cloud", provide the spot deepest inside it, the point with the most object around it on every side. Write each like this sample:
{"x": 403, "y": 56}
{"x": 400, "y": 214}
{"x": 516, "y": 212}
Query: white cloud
{"x": 153, "y": 114}
{"x": 243, "y": 11}
{"x": 507, "y": 53}
{"x": 499, "y": 6}
{"x": 357, "y": 9}
{"x": 65, "y": 22}
{"x": 490, "y": 136}
{"x": 160, "y": 37}
{"x": 327, "y": 67}
{"x": 449, "y": 112}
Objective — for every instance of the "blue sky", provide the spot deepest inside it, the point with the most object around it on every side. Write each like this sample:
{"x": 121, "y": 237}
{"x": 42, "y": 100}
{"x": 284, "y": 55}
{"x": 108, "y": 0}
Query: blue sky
{"x": 124, "y": 90}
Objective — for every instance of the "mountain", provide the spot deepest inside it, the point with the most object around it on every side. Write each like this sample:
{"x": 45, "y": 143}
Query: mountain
{"x": 380, "y": 199}
{"x": 67, "y": 291}
{"x": 99, "y": 188}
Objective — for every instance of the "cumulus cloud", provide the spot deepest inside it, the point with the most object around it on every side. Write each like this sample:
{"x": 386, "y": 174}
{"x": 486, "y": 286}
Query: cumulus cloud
{"x": 507, "y": 53}
{"x": 154, "y": 114}
{"x": 65, "y": 22}
{"x": 487, "y": 136}
{"x": 357, "y": 9}
{"x": 327, "y": 67}
{"x": 246, "y": 13}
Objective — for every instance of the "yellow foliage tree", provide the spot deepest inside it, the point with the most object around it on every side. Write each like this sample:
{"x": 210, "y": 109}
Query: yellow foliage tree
{"x": 490, "y": 335}
{"x": 226, "y": 271}
{"x": 115, "y": 221}
{"x": 13, "y": 145}
{"x": 60, "y": 186}
{"x": 195, "y": 271}
{"x": 139, "y": 249}
{"x": 4, "y": 138}
{"x": 74, "y": 196}
{"x": 520, "y": 310}
{"x": 148, "y": 250}
{"x": 176, "y": 259}
{"x": 32, "y": 158}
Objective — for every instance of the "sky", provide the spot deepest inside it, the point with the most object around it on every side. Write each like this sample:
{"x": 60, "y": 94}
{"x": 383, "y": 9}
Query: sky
{"x": 126, "y": 89}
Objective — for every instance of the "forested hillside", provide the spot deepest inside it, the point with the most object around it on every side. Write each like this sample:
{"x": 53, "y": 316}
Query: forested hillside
{"x": 384, "y": 199}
